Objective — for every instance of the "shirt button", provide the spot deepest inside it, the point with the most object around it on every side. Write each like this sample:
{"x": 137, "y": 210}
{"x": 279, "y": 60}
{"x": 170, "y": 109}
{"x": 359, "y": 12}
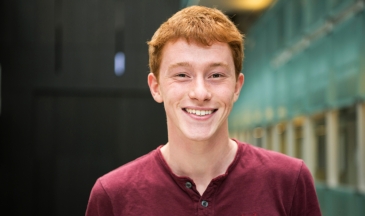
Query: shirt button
{"x": 188, "y": 185}
{"x": 204, "y": 203}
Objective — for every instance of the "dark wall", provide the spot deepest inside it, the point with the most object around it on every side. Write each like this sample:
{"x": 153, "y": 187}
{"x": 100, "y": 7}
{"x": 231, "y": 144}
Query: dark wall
{"x": 66, "y": 118}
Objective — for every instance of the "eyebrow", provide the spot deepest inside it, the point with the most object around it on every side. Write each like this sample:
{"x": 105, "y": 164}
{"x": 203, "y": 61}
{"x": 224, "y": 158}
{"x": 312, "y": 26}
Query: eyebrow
{"x": 218, "y": 64}
{"x": 180, "y": 64}
{"x": 187, "y": 64}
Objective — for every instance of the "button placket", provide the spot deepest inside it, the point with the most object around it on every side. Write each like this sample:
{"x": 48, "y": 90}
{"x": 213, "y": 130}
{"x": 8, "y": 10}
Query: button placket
{"x": 188, "y": 185}
{"x": 204, "y": 203}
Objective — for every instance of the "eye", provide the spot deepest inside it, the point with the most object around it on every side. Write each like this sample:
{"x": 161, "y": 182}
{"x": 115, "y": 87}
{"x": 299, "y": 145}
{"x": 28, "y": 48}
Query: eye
{"x": 216, "y": 75}
{"x": 182, "y": 75}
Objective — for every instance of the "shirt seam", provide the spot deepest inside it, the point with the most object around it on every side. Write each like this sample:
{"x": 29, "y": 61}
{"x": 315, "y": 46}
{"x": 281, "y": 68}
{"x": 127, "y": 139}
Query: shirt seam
{"x": 105, "y": 191}
{"x": 295, "y": 188}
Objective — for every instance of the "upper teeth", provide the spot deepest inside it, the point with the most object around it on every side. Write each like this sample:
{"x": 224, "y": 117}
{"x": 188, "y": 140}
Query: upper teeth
{"x": 199, "y": 112}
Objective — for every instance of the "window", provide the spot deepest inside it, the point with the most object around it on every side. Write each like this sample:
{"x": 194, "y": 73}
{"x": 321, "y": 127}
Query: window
{"x": 258, "y": 136}
{"x": 282, "y": 137}
{"x": 347, "y": 146}
{"x": 320, "y": 143}
{"x": 298, "y": 137}
{"x": 269, "y": 138}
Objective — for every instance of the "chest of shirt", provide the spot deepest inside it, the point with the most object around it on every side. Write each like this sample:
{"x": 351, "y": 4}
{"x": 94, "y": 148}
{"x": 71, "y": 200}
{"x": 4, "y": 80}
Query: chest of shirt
{"x": 242, "y": 198}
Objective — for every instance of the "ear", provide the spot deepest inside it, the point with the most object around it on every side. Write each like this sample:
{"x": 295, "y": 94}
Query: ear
{"x": 238, "y": 86}
{"x": 154, "y": 87}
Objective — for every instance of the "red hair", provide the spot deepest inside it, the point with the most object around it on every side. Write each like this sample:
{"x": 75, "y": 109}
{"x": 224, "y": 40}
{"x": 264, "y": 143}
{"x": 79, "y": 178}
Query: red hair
{"x": 199, "y": 24}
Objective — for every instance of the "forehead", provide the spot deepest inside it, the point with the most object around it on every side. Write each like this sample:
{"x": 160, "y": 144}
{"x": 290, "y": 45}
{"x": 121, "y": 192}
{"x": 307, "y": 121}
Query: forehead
{"x": 182, "y": 52}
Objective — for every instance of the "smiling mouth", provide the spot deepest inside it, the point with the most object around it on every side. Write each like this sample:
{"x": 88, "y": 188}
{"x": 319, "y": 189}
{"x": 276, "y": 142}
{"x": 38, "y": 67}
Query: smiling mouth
{"x": 199, "y": 112}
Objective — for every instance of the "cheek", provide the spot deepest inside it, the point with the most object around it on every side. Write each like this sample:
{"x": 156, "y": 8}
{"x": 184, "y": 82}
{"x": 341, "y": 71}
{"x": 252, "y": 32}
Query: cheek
{"x": 172, "y": 93}
{"x": 224, "y": 92}
{"x": 176, "y": 88}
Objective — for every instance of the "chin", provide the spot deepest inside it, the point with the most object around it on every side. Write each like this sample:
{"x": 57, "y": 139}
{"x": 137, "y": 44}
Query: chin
{"x": 199, "y": 137}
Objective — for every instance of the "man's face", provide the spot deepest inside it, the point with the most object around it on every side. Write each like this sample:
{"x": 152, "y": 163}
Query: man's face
{"x": 198, "y": 87}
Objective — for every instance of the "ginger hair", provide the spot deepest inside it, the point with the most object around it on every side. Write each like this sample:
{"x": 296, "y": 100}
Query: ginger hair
{"x": 202, "y": 25}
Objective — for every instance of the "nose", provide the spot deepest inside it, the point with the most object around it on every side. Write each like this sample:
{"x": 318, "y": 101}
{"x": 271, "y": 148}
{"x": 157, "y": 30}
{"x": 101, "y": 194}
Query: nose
{"x": 199, "y": 90}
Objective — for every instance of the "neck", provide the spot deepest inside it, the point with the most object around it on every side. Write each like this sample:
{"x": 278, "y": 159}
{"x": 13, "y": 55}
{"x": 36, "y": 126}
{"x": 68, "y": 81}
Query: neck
{"x": 200, "y": 160}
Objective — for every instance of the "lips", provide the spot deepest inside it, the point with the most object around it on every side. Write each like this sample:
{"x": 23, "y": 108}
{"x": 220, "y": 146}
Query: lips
{"x": 199, "y": 112}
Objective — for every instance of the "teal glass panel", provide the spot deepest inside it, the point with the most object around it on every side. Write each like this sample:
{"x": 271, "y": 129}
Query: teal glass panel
{"x": 297, "y": 89}
{"x": 272, "y": 44}
{"x": 268, "y": 96}
{"x": 342, "y": 201}
{"x": 297, "y": 7}
{"x": 361, "y": 81}
{"x": 251, "y": 105}
{"x": 256, "y": 91}
{"x": 346, "y": 39}
{"x": 281, "y": 93}
{"x": 321, "y": 191}
{"x": 337, "y": 6}
{"x": 315, "y": 13}
{"x": 319, "y": 10}
{"x": 280, "y": 16}
{"x": 359, "y": 204}
{"x": 318, "y": 76}
{"x": 289, "y": 23}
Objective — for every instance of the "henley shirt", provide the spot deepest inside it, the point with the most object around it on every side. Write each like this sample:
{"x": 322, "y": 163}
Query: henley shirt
{"x": 257, "y": 182}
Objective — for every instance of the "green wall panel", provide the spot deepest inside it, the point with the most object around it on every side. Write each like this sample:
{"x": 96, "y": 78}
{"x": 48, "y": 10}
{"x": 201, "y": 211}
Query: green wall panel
{"x": 336, "y": 6}
{"x": 315, "y": 13}
{"x": 361, "y": 80}
{"x": 340, "y": 201}
{"x": 318, "y": 74}
{"x": 268, "y": 86}
{"x": 346, "y": 40}
{"x": 321, "y": 190}
{"x": 289, "y": 23}
{"x": 281, "y": 93}
{"x": 330, "y": 73}
{"x": 297, "y": 71}
{"x": 295, "y": 12}
{"x": 358, "y": 205}
{"x": 343, "y": 202}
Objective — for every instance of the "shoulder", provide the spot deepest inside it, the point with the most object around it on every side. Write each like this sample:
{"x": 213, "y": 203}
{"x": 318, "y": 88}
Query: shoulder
{"x": 125, "y": 185}
{"x": 269, "y": 158}
{"x": 271, "y": 164}
{"x": 284, "y": 180}
{"x": 130, "y": 172}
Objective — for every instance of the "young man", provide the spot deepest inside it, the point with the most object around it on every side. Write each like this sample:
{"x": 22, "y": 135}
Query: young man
{"x": 195, "y": 61}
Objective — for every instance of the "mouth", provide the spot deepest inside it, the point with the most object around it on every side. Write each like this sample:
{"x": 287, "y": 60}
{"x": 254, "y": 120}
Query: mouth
{"x": 199, "y": 112}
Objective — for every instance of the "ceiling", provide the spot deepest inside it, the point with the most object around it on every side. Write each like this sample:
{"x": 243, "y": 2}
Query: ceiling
{"x": 242, "y": 12}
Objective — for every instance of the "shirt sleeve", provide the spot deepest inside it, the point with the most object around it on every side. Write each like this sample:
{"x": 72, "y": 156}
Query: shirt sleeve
{"x": 305, "y": 201}
{"x": 99, "y": 202}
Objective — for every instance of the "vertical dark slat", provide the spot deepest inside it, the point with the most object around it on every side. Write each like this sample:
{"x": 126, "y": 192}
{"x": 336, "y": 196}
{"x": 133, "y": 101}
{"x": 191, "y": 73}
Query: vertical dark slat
{"x": 58, "y": 36}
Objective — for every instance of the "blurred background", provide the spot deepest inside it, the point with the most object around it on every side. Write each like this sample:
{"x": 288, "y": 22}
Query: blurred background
{"x": 74, "y": 100}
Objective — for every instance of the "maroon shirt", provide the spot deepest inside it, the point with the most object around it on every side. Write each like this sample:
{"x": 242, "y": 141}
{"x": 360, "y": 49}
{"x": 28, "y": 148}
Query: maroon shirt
{"x": 258, "y": 182}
